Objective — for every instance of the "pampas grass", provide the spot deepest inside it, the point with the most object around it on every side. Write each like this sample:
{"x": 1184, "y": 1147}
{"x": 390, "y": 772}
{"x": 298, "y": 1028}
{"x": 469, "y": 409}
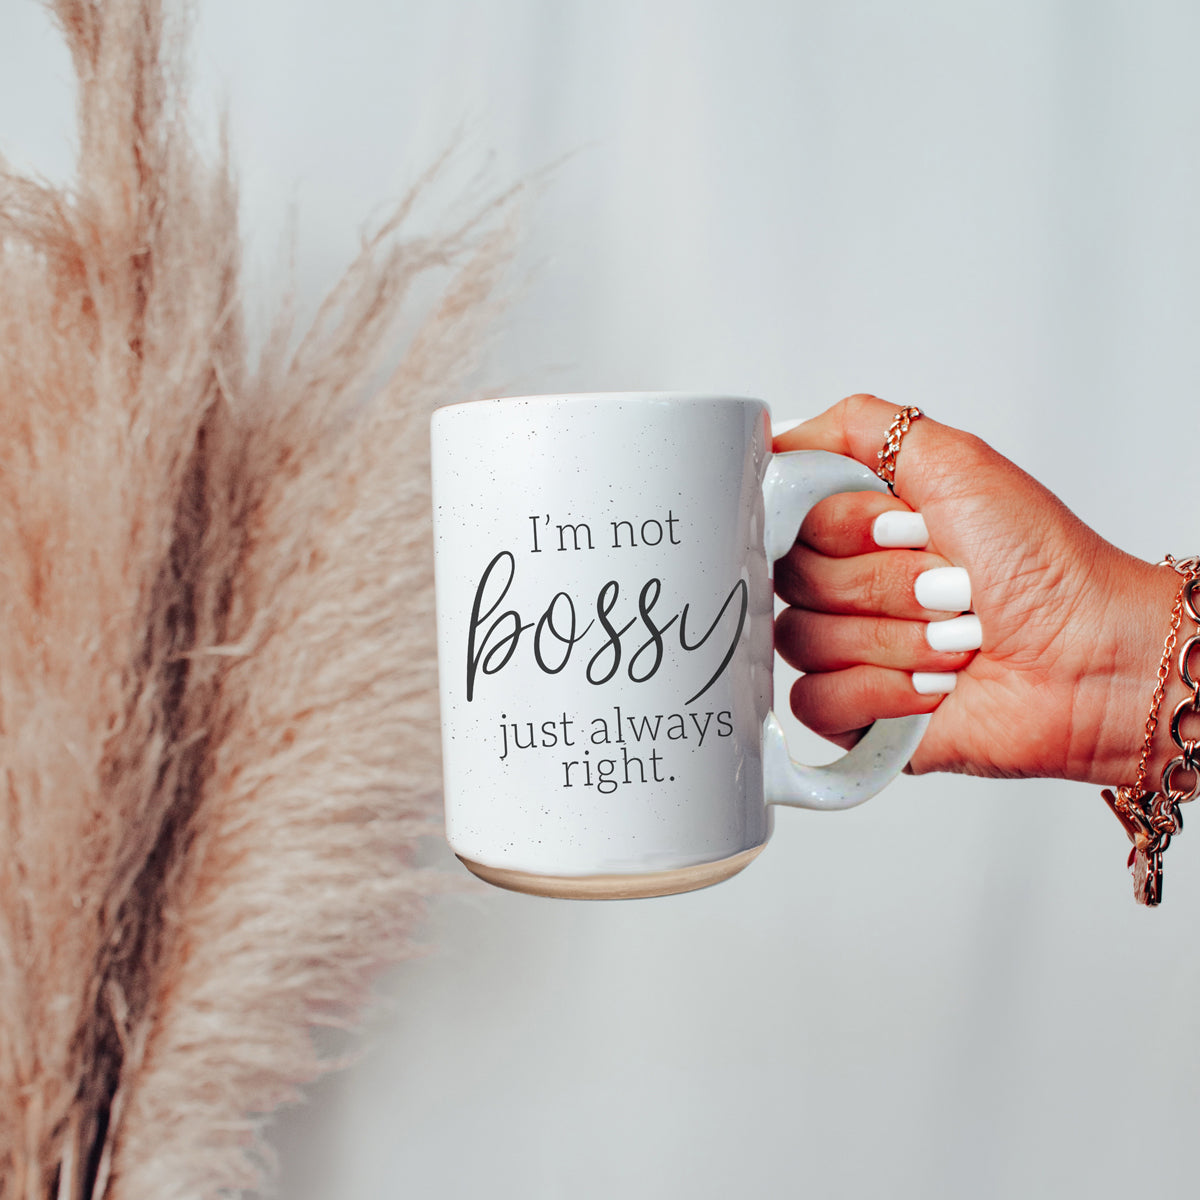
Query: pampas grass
{"x": 217, "y": 691}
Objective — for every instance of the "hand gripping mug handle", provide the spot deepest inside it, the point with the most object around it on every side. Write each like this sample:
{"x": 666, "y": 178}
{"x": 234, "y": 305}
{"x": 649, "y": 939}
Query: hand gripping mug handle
{"x": 794, "y": 482}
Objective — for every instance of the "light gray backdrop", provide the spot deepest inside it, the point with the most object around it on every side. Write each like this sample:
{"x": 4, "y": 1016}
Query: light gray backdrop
{"x": 988, "y": 209}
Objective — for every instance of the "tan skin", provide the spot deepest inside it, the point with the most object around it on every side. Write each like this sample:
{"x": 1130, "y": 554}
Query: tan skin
{"x": 1073, "y": 628}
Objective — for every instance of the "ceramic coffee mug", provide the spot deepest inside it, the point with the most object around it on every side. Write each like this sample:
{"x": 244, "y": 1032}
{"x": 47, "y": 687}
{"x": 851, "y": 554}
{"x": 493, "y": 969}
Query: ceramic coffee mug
{"x": 605, "y": 640}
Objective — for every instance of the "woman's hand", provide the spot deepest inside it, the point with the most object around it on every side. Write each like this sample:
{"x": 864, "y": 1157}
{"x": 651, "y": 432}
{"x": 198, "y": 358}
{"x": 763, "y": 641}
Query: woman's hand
{"x": 1071, "y": 627}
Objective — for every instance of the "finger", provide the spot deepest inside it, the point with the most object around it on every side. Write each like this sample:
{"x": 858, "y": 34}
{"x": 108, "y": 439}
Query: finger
{"x": 834, "y": 703}
{"x": 882, "y": 584}
{"x": 857, "y": 427}
{"x": 846, "y": 524}
{"x": 812, "y": 641}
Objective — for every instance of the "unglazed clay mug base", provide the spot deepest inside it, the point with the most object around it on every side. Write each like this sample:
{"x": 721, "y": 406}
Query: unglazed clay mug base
{"x": 605, "y": 640}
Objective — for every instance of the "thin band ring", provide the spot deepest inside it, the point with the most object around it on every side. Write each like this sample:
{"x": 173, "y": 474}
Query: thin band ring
{"x": 891, "y": 445}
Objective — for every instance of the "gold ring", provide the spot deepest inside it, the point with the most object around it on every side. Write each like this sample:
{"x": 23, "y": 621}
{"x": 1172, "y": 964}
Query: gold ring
{"x": 891, "y": 445}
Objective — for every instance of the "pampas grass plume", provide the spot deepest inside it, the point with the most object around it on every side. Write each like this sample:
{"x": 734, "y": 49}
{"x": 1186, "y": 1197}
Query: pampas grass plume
{"x": 217, "y": 690}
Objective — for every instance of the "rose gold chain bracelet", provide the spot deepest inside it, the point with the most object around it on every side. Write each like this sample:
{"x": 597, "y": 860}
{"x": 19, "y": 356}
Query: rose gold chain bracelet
{"x": 1152, "y": 818}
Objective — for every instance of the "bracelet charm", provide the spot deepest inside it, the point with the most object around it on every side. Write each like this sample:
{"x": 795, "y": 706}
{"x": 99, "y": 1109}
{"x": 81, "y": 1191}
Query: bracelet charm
{"x": 1145, "y": 859}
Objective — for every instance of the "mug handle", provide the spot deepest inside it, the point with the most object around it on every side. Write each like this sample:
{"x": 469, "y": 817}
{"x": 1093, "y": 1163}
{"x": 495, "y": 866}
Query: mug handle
{"x": 794, "y": 482}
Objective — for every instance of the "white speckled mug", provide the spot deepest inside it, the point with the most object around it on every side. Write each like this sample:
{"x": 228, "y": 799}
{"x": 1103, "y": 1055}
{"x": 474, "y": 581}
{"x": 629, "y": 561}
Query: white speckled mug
{"x": 605, "y": 629}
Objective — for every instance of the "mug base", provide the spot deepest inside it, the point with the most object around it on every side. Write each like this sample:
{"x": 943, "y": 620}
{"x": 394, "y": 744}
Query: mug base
{"x": 615, "y": 887}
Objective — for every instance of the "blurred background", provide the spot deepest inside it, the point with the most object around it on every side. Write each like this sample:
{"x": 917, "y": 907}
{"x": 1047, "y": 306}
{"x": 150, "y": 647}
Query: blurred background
{"x": 991, "y": 210}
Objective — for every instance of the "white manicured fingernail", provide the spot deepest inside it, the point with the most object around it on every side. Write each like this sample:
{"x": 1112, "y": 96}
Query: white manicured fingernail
{"x": 959, "y": 633}
{"x": 943, "y": 589}
{"x": 899, "y": 528}
{"x": 934, "y": 683}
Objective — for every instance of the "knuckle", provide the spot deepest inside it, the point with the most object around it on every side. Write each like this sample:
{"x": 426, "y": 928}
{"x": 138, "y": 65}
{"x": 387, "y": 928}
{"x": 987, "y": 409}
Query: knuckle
{"x": 971, "y": 458}
{"x": 809, "y": 703}
{"x": 818, "y": 523}
{"x": 789, "y": 579}
{"x": 857, "y": 409}
{"x": 793, "y": 638}
{"x": 859, "y": 402}
{"x": 879, "y": 645}
{"x": 881, "y": 584}
{"x": 972, "y": 451}
{"x": 832, "y": 522}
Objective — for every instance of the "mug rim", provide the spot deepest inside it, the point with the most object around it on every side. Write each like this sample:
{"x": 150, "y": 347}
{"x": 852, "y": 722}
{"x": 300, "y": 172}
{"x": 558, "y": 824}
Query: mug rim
{"x": 650, "y": 397}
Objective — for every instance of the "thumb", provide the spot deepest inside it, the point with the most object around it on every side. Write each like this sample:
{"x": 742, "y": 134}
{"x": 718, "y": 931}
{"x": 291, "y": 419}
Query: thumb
{"x": 857, "y": 428}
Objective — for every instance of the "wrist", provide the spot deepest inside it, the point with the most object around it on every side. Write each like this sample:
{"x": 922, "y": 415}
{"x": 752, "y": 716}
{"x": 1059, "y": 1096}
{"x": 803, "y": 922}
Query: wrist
{"x": 1122, "y": 679}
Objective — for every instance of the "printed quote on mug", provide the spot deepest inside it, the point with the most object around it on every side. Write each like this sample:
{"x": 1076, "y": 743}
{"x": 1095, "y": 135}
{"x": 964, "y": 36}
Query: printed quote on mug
{"x": 623, "y": 633}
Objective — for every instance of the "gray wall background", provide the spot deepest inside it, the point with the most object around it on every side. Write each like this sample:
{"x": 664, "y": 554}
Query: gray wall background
{"x": 988, "y": 209}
